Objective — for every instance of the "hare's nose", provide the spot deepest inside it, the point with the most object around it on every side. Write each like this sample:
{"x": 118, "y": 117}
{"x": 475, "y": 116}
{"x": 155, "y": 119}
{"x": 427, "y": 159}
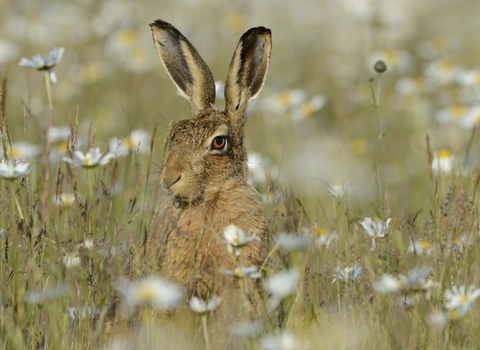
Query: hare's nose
{"x": 170, "y": 179}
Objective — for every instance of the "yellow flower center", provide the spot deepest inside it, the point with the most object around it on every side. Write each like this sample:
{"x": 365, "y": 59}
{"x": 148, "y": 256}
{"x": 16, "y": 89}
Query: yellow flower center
{"x": 425, "y": 244}
{"x": 457, "y": 111}
{"x": 236, "y": 241}
{"x": 128, "y": 37}
{"x": 62, "y": 147}
{"x": 87, "y": 161}
{"x": 146, "y": 294}
{"x": 477, "y": 78}
{"x": 129, "y": 143}
{"x": 68, "y": 200}
{"x": 320, "y": 231}
{"x": 444, "y": 154}
{"x": 419, "y": 83}
{"x": 440, "y": 43}
{"x": 464, "y": 300}
{"x": 392, "y": 57}
{"x": 284, "y": 98}
{"x": 16, "y": 152}
{"x": 307, "y": 109}
{"x": 237, "y": 272}
{"x": 446, "y": 66}
{"x": 358, "y": 145}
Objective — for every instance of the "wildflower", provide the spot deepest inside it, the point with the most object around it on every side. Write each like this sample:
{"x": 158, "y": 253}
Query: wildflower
{"x": 468, "y": 78}
{"x": 138, "y": 138}
{"x": 256, "y": 169}
{"x": 434, "y": 47}
{"x": 59, "y": 134}
{"x": 411, "y": 86}
{"x": 242, "y": 272}
{"x": 37, "y": 62}
{"x": 47, "y": 294}
{"x": 243, "y": 329}
{"x": 375, "y": 231}
{"x": 406, "y": 301}
{"x": 443, "y": 161}
{"x": 309, "y": 108}
{"x": 131, "y": 49}
{"x": 201, "y": 307}
{"x": 347, "y": 274}
{"x": 282, "y": 341}
{"x": 438, "y": 319}
{"x": 471, "y": 118}
{"x": 153, "y": 291}
{"x": 443, "y": 72}
{"x": 395, "y": 59}
{"x": 324, "y": 238}
{"x": 88, "y": 244}
{"x": 22, "y": 150}
{"x": 460, "y": 300}
{"x": 416, "y": 280}
{"x": 14, "y": 169}
{"x": 421, "y": 247}
{"x": 77, "y": 313}
{"x": 338, "y": 188}
{"x": 380, "y": 66}
{"x": 282, "y": 101}
{"x": 281, "y": 285}
{"x": 89, "y": 160}
{"x": 64, "y": 199}
{"x": 237, "y": 239}
{"x": 451, "y": 114}
{"x": 71, "y": 260}
{"x": 289, "y": 242}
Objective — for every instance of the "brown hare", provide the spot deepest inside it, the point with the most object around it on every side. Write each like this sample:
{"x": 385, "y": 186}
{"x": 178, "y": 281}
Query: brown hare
{"x": 204, "y": 175}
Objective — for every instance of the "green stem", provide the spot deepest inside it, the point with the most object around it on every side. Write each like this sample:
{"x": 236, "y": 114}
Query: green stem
{"x": 47, "y": 151}
{"x": 205, "y": 332}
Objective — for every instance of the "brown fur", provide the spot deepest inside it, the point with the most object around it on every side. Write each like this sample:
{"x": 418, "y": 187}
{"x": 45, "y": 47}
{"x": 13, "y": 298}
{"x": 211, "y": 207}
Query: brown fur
{"x": 206, "y": 188}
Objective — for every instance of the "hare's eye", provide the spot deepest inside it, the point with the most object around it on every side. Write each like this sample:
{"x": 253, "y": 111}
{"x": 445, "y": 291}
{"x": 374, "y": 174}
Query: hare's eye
{"x": 219, "y": 142}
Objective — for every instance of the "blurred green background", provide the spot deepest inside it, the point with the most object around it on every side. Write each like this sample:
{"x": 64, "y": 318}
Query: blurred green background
{"x": 313, "y": 120}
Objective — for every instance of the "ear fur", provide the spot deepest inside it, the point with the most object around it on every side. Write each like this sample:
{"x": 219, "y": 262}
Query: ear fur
{"x": 186, "y": 68}
{"x": 247, "y": 72}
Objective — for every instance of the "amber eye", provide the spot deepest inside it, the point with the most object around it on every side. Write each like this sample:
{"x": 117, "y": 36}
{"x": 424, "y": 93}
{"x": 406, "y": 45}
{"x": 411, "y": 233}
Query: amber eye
{"x": 219, "y": 142}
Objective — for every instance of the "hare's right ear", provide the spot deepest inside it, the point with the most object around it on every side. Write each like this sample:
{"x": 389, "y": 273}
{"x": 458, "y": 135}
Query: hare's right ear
{"x": 186, "y": 68}
{"x": 247, "y": 72}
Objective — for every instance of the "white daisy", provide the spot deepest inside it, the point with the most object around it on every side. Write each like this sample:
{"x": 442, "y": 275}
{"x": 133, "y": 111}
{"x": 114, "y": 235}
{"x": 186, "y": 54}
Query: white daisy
{"x": 411, "y": 86}
{"x": 421, "y": 247}
{"x": 281, "y": 285}
{"x": 415, "y": 280}
{"x": 442, "y": 72}
{"x": 37, "y": 62}
{"x": 347, "y": 274}
{"x": 201, "y": 307}
{"x": 243, "y": 271}
{"x": 138, "y": 139}
{"x": 282, "y": 341}
{"x": 443, "y": 162}
{"x": 22, "y": 150}
{"x": 338, "y": 189}
{"x": 237, "y": 239}
{"x": 460, "y": 299}
{"x": 282, "y": 101}
{"x": 64, "y": 199}
{"x": 375, "y": 231}
{"x": 14, "y": 169}
{"x": 47, "y": 294}
{"x": 309, "y": 108}
{"x": 91, "y": 159}
{"x": 453, "y": 114}
{"x": 289, "y": 242}
{"x": 153, "y": 291}
{"x": 323, "y": 238}
{"x": 471, "y": 117}
{"x": 243, "y": 329}
{"x": 395, "y": 59}
{"x": 71, "y": 260}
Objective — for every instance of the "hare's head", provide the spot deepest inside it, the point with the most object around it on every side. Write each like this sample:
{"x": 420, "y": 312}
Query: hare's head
{"x": 206, "y": 153}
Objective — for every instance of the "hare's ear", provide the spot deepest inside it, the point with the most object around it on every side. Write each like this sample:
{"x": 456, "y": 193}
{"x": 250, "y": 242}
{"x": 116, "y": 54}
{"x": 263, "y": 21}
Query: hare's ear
{"x": 247, "y": 72}
{"x": 186, "y": 68}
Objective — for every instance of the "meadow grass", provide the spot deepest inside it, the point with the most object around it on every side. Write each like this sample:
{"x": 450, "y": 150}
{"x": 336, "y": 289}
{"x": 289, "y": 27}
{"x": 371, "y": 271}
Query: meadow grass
{"x": 332, "y": 148}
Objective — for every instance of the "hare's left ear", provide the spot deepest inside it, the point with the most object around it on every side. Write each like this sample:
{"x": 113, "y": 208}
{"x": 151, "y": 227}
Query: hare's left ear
{"x": 247, "y": 73}
{"x": 188, "y": 70}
